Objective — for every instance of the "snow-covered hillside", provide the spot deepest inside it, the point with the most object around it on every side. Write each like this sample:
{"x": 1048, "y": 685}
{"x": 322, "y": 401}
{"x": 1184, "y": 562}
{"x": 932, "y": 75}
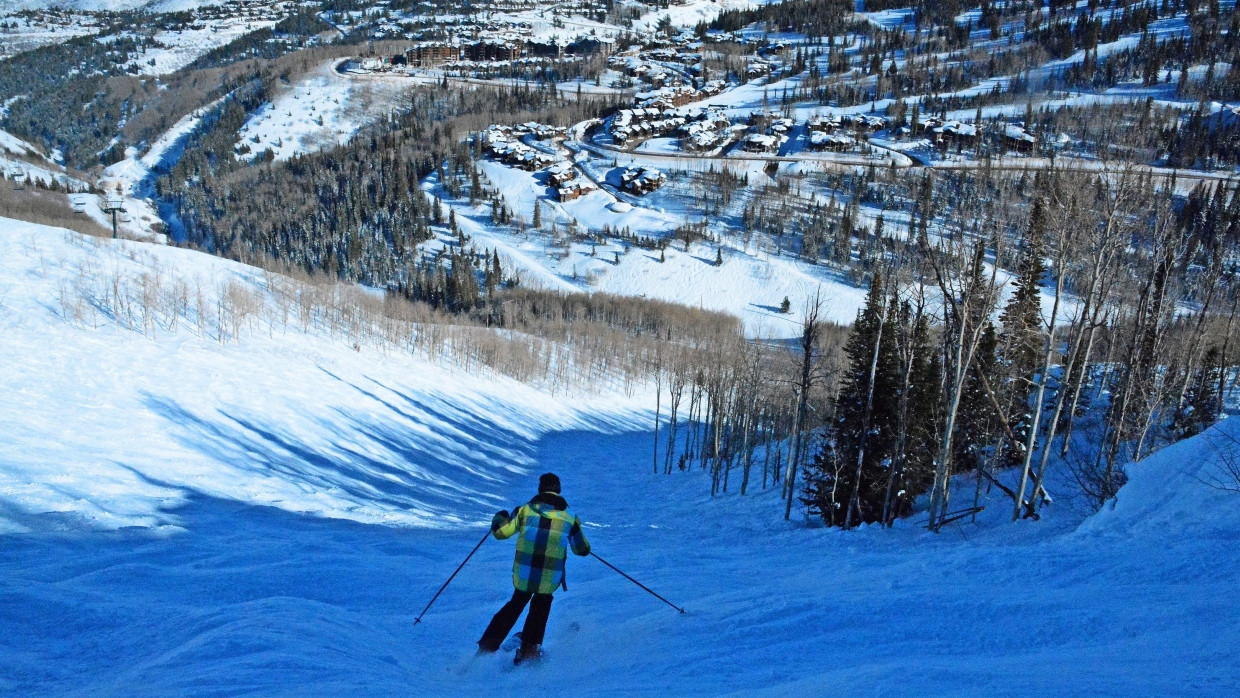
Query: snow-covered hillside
{"x": 119, "y": 414}
{"x": 322, "y": 110}
{"x": 269, "y": 514}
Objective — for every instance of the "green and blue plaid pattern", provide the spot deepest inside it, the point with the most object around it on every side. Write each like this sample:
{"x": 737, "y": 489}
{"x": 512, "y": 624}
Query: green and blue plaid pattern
{"x": 546, "y": 534}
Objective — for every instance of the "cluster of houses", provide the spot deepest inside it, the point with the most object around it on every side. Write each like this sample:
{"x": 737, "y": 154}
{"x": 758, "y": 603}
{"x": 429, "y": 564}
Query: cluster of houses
{"x": 494, "y": 47}
{"x": 430, "y": 54}
{"x": 542, "y": 132}
{"x": 653, "y": 122}
{"x": 562, "y": 176}
{"x": 641, "y": 180}
{"x": 829, "y": 123}
{"x": 677, "y": 65}
{"x": 770, "y": 132}
{"x": 680, "y": 95}
{"x": 682, "y": 55}
{"x": 238, "y": 9}
{"x": 503, "y": 144}
{"x": 653, "y": 63}
{"x": 656, "y": 115}
{"x": 946, "y": 132}
{"x": 771, "y": 122}
{"x": 707, "y": 129}
{"x": 635, "y": 67}
{"x": 643, "y": 122}
{"x": 836, "y": 142}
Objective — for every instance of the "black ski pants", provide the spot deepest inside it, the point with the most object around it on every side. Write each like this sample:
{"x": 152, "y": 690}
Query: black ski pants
{"x": 535, "y": 620}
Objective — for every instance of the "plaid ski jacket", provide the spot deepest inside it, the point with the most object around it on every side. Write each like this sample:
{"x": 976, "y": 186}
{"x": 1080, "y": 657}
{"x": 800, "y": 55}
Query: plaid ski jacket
{"x": 547, "y": 530}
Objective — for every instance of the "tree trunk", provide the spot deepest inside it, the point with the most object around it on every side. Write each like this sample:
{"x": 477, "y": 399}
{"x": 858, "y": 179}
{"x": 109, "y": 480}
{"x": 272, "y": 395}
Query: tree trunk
{"x": 676, "y": 391}
{"x": 809, "y": 338}
{"x": 658, "y": 395}
{"x": 1031, "y": 442}
{"x": 750, "y": 420}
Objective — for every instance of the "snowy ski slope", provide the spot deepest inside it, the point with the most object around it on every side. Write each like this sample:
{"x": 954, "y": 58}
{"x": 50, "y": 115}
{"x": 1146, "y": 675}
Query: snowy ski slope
{"x": 267, "y": 517}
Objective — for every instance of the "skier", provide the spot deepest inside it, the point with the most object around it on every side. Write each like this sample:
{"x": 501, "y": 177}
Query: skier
{"x": 546, "y": 531}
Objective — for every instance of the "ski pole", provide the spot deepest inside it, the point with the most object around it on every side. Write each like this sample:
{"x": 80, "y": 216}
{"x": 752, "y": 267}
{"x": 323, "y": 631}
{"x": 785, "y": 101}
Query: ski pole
{"x": 643, "y": 586}
{"x": 445, "y": 584}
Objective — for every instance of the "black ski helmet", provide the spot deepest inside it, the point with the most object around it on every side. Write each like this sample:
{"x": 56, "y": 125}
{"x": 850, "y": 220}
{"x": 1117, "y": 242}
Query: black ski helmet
{"x": 548, "y": 482}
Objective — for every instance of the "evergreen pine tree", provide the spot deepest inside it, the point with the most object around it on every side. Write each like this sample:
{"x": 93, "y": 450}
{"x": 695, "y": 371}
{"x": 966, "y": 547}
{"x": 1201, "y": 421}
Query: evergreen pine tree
{"x": 462, "y": 287}
{"x": 924, "y": 418}
{"x": 488, "y": 276}
{"x": 864, "y": 425}
{"x": 976, "y": 422}
{"x": 1023, "y": 339}
{"x": 1200, "y": 400}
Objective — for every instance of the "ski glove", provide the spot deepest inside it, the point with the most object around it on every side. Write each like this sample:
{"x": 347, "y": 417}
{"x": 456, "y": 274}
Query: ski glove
{"x": 501, "y": 517}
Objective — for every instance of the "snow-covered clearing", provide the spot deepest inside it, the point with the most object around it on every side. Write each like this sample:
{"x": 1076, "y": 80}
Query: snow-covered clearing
{"x": 750, "y": 284}
{"x": 15, "y": 146}
{"x": 183, "y": 46}
{"x": 889, "y": 19}
{"x": 32, "y": 32}
{"x": 268, "y": 516}
{"x": 322, "y": 110}
{"x": 690, "y": 12}
{"x": 19, "y": 160}
{"x": 24, "y": 163}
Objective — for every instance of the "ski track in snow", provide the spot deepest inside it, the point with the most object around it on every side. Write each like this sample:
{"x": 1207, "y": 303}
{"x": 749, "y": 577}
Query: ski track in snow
{"x": 268, "y": 516}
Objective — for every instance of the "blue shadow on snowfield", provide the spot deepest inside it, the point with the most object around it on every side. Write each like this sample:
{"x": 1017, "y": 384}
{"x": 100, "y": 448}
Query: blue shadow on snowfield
{"x": 430, "y": 458}
{"x": 249, "y": 600}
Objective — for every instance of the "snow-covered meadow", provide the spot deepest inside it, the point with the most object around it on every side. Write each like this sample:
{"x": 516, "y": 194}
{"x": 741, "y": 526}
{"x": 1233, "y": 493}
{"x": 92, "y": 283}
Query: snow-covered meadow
{"x": 322, "y": 110}
{"x": 267, "y": 515}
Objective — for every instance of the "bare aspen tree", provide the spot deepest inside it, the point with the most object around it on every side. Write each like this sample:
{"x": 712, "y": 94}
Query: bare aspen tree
{"x": 1100, "y": 244}
{"x": 1059, "y": 270}
{"x": 906, "y": 350}
{"x": 811, "y": 327}
{"x": 752, "y": 417}
{"x": 969, "y": 295}
{"x": 676, "y": 389}
{"x": 1134, "y": 404}
{"x": 658, "y": 394}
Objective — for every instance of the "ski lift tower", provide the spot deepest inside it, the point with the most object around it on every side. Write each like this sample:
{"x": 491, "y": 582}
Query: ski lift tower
{"x": 114, "y": 204}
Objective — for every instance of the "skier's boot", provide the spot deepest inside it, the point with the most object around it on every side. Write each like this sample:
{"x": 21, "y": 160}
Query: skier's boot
{"x": 487, "y": 648}
{"x": 527, "y": 653}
